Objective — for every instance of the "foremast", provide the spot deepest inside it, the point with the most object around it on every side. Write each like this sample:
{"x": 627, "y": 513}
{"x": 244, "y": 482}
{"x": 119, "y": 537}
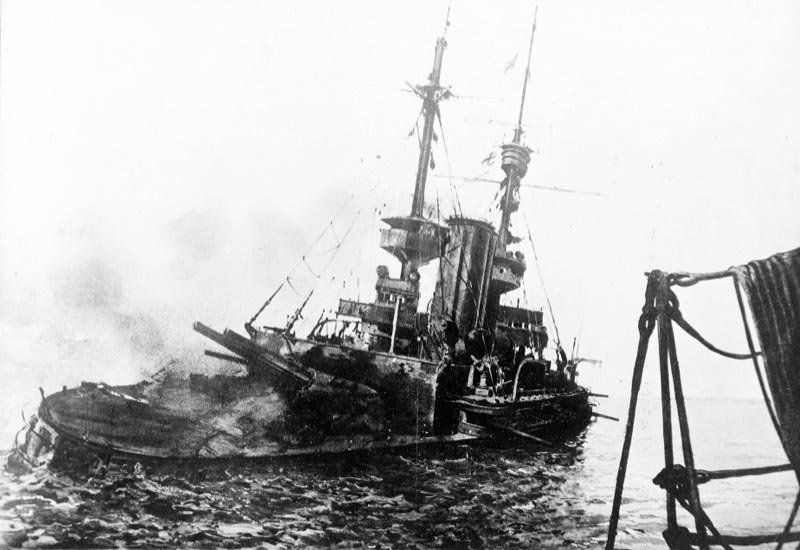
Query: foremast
{"x": 392, "y": 321}
{"x": 430, "y": 93}
{"x": 413, "y": 239}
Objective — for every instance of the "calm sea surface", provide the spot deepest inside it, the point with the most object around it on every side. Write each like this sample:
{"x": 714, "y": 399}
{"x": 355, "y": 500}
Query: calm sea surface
{"x": 455, "y": 497}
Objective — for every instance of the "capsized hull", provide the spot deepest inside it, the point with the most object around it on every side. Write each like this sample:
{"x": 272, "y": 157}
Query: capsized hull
{"x": 223, "y": 418}
{"x": 208, "y": 418}
{"x": 406, "y": 385}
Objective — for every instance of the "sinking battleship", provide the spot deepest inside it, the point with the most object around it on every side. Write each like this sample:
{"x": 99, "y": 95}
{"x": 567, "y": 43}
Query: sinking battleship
{"x": 396, "y": 371}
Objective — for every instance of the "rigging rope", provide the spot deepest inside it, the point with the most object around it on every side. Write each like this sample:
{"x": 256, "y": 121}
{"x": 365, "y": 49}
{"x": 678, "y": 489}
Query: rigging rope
{"x": 454, "y": 194}
{"x": 788, "y": 528}
{"x": 772, "y": 287}
{"x": 441, "y": 248}
{"x": 677, "y": 317}
{"x": 762, "y": 385}
{"x": 333, "y": 251}
{"x": 647, "y": 322}
{"x": 541, "y": 279}
{"x": 269, "y": 300}
{"x": 527, "y": 312}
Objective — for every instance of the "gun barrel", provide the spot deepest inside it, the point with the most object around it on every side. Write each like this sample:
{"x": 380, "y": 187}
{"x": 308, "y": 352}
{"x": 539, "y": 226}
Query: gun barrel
{"x": 287, "y": 374}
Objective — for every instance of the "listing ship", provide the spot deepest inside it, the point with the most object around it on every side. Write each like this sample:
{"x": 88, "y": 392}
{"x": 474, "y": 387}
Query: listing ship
{"x": 399, "y": 370}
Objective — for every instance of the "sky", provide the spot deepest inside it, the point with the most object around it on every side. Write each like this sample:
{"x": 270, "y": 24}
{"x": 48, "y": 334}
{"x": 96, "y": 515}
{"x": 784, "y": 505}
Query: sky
{"x": 166, "y": 162}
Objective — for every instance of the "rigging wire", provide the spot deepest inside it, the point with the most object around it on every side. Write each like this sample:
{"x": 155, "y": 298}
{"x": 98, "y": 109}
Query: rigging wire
{"x": 341, "y": 241}
{"x": 361, "y": 252}
{"x": 441, "y": 250}
{"x": 481, "y": 178}
{"x": 541, "y": 279}
{"x": 528, "y": 311}
{"x": 303, "y": 259}
{"x": 415, "y": 127}
{"x": 269, "y": 300}
{"x": 454, "y": 194}
{"x": 332, "y": 287}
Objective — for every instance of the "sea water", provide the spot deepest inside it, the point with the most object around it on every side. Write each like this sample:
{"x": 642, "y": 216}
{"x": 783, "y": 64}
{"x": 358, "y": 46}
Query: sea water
{"x": 478, "y": 496}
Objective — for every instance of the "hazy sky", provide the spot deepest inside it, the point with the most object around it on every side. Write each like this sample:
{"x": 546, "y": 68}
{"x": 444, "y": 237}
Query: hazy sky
{"x": 164, "y": 162}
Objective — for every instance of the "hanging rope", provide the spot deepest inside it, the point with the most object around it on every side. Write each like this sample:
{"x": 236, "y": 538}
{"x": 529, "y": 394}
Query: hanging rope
{"x": 674, "y": 312}
{"x": 333, "y": 251}
{"x": 527, "y": 312}
{"x": 647, "y": 322}
{"x": 298, "y": 313}
{"x": 268, "y": 302}
{"x": 541, "y": 279}
{"x": 788, "y": 528}
{"x": 441, "y": 250}
{"x": 764, "y": 393}
{"x": 453, "y": 193}
{"x": 772, "y": 287}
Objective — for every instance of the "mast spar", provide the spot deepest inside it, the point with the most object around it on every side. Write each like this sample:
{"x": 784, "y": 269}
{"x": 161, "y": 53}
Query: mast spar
{"x": 518, "y": 131}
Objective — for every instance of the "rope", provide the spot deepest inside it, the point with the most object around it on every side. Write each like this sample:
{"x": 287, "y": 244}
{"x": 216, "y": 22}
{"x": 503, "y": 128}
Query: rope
{"x": 441, "y": 251}
{"x": 684, "y": 324}
{"x": 788, "y": 528}
{"x": 330, "y": 261}
{"x": 666, "y": 408}
{"x": 541, "y": 279}
{"x": 676, "y": 476}
{"x": 683, "y": 423}
{"x": 527, "y": 313}
{"x": 677, "y": 317}
{"x": 647, "y": 322}
{"x": 415, "y": 126}
{"x": 764, "y": 393}
{"x": 682, "y": 538}
{"x": 707, "y": 522}
{"x": 289, "y": 282}
{"x": 703, "y": 476}
{"x": 454, "y": 198}
{"x": 334, "y": 250}
{"x": 269, "y": 300}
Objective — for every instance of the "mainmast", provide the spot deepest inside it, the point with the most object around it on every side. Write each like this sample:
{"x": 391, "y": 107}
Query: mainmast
{"x": 515, "y": 158}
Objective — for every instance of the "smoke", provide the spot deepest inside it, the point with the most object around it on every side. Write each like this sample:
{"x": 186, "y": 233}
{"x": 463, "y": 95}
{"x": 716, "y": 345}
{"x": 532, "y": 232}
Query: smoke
{"x": 108, "y": 292}
{"x": 115, "y": 298}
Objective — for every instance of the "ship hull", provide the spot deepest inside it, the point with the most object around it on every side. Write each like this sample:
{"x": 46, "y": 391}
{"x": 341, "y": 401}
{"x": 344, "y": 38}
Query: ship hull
{"x": 407, "y": 385}
{"x": 96, "y": 425}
